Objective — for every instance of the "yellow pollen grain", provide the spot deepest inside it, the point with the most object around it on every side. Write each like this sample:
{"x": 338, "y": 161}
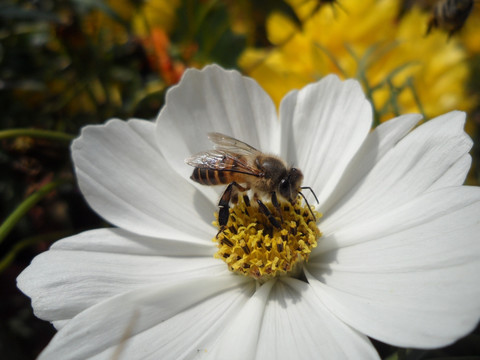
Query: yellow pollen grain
{"x": 251, "y": 246}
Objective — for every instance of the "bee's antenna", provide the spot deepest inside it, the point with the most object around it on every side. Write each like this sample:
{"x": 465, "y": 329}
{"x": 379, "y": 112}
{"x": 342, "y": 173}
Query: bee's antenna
{"x": 313, "y": 192}
{"x": 306, "y": 202}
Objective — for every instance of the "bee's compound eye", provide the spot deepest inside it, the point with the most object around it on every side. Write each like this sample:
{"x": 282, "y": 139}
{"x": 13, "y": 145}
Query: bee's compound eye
{"x": 284, "y": 188}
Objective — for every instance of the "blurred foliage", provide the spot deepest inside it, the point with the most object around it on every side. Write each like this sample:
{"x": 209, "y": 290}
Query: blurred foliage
{"x": 65, "y": 64}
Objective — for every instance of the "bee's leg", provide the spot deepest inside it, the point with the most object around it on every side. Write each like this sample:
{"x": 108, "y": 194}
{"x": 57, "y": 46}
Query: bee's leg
{"x": 277, "y": 205}
{"x": 246, "y": 200}
{"x": 268, "y": 214}
{"x": 224, "y": 202}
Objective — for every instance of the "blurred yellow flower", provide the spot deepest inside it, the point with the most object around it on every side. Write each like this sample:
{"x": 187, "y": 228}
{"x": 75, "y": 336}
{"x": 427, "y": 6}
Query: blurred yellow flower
{"x": 401, "y": 69}
{"x": 155, "y": 14}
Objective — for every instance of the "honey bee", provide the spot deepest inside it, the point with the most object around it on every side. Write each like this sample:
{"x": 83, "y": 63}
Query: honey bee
{"x": 450, "y": 15}
{"x": 234, "y": 162}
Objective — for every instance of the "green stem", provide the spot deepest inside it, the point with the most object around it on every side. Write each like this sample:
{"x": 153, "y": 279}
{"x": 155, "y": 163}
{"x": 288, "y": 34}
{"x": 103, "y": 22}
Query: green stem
{"x": 332, "y": 58}
{"x": 25, "y": 206}
{"x": 8, "y": 259}
{"x": 416, "y": 97}
{"x": 45, "y": 134}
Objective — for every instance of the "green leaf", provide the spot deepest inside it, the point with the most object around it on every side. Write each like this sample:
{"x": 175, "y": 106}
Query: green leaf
{"x": 25, "y": 206}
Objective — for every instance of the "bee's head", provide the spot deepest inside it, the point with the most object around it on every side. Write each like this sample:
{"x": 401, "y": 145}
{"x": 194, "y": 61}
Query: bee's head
{"x": 289, "y": 186}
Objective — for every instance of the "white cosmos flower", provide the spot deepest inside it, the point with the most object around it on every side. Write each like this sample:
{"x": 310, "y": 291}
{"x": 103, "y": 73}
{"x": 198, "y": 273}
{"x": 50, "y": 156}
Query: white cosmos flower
{"x": 399, "y": 259}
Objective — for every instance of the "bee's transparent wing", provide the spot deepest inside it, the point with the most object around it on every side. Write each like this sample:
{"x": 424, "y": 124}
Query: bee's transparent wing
{"x": 224, "y": 161}
{"x": 231, "y": 145}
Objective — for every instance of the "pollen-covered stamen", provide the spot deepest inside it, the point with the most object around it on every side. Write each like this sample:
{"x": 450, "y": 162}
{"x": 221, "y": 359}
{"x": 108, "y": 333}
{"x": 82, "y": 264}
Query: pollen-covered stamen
{"x": 252, "y": 246}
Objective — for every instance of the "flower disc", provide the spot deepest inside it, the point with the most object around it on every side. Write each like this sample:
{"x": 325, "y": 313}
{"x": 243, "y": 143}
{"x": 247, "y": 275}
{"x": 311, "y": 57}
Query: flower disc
{"x": 251, "y": 245}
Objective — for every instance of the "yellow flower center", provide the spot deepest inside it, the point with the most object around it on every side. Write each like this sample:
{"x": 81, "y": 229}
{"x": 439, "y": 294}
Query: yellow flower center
{"x": 252, "y": 246}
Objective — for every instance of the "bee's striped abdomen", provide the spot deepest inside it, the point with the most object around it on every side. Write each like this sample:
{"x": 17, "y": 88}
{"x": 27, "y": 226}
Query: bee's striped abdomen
{"x": 211, "y": 177}
{"x": 223, "y": 171}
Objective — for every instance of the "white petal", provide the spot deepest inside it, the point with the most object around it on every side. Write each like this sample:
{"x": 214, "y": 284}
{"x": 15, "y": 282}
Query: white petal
{"x": 77, "y": 273}
{"x": 58, "y": 324}
{"x": 114, "y": 240}
{"x": 124, "y": 178}
{"x": 155, "y": 322}
{"x": 214, "y": 100}
{"x": 377, "y": 144}
{"x": 455, "y": 175}
{"x": 296, "y": 325}
{"x": 409, "y": 278}
{"x": 323, "y": 126}
{"x": 239, "y": 341}
{"x": 412, "y": 167}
